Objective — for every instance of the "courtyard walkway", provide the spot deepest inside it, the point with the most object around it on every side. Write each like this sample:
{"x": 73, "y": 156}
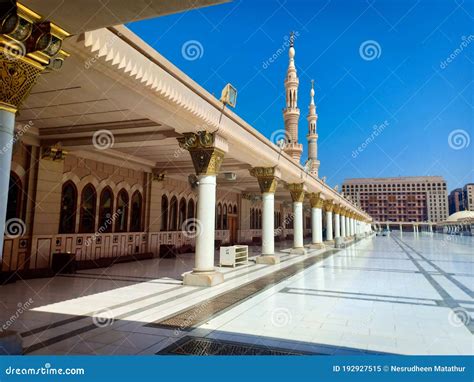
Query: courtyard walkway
{"x": 399, "y": 294}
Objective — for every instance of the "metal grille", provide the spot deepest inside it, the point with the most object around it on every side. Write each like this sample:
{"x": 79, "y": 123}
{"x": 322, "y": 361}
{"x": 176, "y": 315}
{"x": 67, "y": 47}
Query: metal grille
{"x": 205, "y": 346}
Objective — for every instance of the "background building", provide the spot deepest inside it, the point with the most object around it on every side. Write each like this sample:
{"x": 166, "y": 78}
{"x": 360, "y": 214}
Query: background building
{"x": 417, "y": 198}
{"x": 455, "y": 201}
{"x": 467, "y": 197}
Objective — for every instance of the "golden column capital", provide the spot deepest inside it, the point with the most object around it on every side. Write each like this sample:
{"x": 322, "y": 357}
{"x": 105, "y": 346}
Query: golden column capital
{"x": 53, "y": 153}
{"x": 337, "y": 209}
{"x": 315, "y": 200}
{"x": 297, "y": 191}
{"x": 28, "y": 45}
{"x": 328, "y": 205}
{"x": 206, "y": 156}
{"x": 267, "y": 178}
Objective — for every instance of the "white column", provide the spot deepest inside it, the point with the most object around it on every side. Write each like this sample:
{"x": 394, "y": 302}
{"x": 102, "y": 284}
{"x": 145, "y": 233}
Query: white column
{"x": 206, "y": 207}
{"x": 329, "y": 235}
{"x": 348, "y": 226}
{"x": 337, "y": 226}
{"x": 7, "y": 125}
{"x": 316, "y": 225}
{"x": 343, "y": 226}
{"x": 268, "y": 229}
{"x": 298, "y": 225}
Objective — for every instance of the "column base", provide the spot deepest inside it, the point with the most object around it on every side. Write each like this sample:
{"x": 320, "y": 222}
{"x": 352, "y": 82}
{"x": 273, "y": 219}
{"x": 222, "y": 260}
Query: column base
{"x": 10, "y": 343}
{"x": 317, "y": 246}
{"x": 268, "y": 259}
{"x": 298, "y": 251}
{"x": 329, "y": 243}
{"x": 339, "y": 242}
{"x": 205, "y": 279}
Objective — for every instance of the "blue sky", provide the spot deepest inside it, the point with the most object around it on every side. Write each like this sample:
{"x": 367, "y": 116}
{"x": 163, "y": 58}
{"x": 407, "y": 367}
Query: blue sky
{"x": 420, "y": 80}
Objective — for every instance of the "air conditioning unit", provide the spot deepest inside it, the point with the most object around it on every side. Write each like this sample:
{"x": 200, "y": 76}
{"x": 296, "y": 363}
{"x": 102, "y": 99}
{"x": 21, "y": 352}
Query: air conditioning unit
{"x": 230, "y": 176}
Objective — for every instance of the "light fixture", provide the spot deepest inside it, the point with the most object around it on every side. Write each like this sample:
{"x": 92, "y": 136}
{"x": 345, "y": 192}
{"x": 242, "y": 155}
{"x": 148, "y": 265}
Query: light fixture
{"x": 229, "y": 95}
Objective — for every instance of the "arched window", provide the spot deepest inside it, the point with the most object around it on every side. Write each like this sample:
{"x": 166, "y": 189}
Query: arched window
{"x": 224, "y": 218}
{"x": 14, "y": 197}
{"x": 259, "y": 219}
{"x": 182, "y": 212}
{"x": 235, "y": 210}
{"x": 67, "y": 215}
{"x": 164, "y": 213}
{"x": 219, "y": 216}
{"x": 173, "y": 214}
{"x": 122, "y": 211}
{"x": 190, "y": 209}
{"x": 136, "y": 214}
{"x": 88, "y": 203}
{"x": 106, "y": 208}
{"x": 252, "y": 219}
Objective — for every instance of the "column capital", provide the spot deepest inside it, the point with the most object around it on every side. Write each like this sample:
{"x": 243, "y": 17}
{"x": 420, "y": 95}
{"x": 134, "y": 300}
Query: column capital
{"x": 315, "y": 200}
{"x": 207, "y": 151}
{"x": 337, "y": 209}
{"x": 297, "y": 191}
{"x": 53, "y": 153}
{"x": 28, "y": 45}
{"x": 267, "y": 178}
{"x": 328, "y": 205}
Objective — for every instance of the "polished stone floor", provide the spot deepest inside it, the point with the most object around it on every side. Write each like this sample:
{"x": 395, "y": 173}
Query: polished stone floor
{"x": 400, "y": 294}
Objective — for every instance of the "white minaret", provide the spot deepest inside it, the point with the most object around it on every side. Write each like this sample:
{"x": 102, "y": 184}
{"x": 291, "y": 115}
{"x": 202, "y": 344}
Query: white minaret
{"x": 313, "y": 163}
{"x": 291, "y": 113}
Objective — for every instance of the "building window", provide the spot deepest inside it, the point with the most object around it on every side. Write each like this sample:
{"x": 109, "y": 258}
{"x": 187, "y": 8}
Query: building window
{"x": 182, "y": 213}
{"x": 122, "y": 211}
{"x": 88, "y": 204}
{"x": 173, "y": 214}
{"x": 67, "y": 219}
{"x": 164, "y": 213}
{"x": 105, "y": 210}
{"x": 190, "y": 214}
{"x": 136, "y": 214}
{"x": 14, "y": 197}
{"x": 224, "y": 219}
{"x": 219, "y": 217}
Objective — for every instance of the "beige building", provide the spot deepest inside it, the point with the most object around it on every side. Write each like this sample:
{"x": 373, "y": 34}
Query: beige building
{"x": 468, "y": 197}
{"x": 403, "y": 199}
{"x": 117, "y": 155}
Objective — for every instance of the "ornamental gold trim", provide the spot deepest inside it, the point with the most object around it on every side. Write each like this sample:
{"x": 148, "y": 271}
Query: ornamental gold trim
{"x": 315, "y": 200}
{"x": 296, "y": 192}
{"x": 328, "y": 205}
{"x": 267, "y": 179}
{"x": 207, "y": 159}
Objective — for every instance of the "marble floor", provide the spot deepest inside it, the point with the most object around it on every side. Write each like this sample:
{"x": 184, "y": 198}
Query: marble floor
{"x": 400, "y": 294}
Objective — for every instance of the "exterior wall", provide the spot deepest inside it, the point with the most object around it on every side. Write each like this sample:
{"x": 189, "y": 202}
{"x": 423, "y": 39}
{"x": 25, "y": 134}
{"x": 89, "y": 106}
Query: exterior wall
{"x": 41, "y": 184}
{"x": 455, "y": 200}
{"x": 400, "y": 199}
{"x": 468, "y": 197}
